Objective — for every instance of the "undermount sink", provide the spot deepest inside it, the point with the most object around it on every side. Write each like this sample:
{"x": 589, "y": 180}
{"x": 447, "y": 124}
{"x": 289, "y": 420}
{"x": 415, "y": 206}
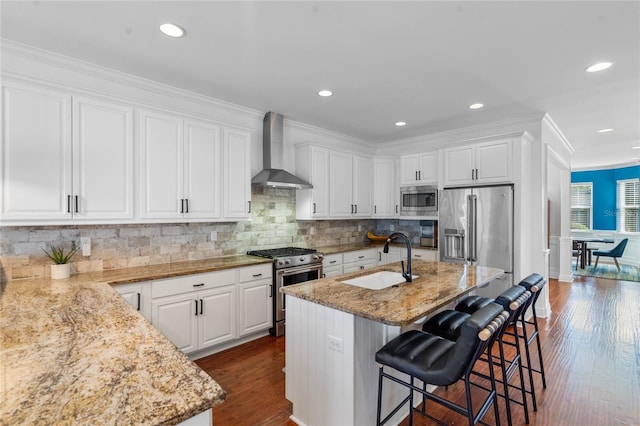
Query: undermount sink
{"x": 378, "y": 280}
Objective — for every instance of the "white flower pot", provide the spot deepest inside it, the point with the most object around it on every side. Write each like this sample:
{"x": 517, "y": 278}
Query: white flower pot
{"x": 62, "y": 271}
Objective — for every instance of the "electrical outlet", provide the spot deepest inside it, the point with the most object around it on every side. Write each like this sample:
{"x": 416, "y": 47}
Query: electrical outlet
{"x": 312, "y": 230}
{"x": 214, "y": 235}
{"x": 336, "y": 344}
{"x": 391, "y": 227}
{"x": 85, "y": 245}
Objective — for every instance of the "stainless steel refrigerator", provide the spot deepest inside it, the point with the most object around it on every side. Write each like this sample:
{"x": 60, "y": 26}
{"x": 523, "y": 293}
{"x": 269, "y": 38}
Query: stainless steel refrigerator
{"x": 476, "y": 227}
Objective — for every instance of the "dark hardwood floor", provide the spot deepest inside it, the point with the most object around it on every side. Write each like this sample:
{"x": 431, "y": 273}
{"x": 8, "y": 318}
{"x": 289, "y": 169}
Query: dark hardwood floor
{"x": 591, "y": 349}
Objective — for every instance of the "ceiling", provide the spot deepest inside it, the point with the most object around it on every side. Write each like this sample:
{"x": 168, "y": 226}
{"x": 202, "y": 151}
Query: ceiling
{"x": 422, "y": 62}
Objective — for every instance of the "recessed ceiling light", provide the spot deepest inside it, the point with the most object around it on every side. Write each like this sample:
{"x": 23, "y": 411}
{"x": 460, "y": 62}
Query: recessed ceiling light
{"x": 607, "y": 130}
{"x": 172, "y": 30}
{"x": 599, "y": 66}
{"x": 401, "y": 123}
{"x": 476, "y": 106}
{"x": 325, "y": 93}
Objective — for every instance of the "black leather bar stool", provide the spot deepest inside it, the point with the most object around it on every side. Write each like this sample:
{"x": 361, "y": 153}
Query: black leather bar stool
{"x": 534, "y": 283}
{"x": 441, "y": 362}
{"x": 447, "y": 324}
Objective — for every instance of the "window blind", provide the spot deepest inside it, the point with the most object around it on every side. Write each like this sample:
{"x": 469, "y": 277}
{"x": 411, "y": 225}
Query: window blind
{"x": 628, "y": 201}
{"x": 581, "y": 202}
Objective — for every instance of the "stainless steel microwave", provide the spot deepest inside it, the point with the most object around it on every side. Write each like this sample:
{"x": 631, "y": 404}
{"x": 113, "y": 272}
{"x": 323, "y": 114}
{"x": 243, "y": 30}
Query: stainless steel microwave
{"x": 418, "y": 200}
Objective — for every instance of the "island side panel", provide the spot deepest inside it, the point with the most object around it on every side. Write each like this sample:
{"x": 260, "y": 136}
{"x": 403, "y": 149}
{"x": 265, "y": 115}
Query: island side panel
{"x": 319, "y": 363}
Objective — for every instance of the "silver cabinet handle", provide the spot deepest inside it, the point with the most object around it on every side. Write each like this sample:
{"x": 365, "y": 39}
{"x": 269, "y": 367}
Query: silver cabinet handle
{"x": 314, "y": 208}
{"x": 270, "y": 290}
{"x": 249, "y": 206}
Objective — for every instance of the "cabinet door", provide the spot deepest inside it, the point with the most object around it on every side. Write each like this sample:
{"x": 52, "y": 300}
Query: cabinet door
{"x": 493, "y": 161}
{"x": 160, "y": 166}
{"x": 429, "y": 168}
{"x": 102, "y": 160}
{"x": 320, "y": 182}
{"x": 36, "y": 153}
{"x": 217, "y": 320}
{"x": 384, "y": 188}
{"x": 202, "y": 170}
{"x": 458, "y": 165}
{"x": 409, "y": 167}
{"x": 255, "y": 307}
{"x": 341, "y": 184}
{"x": 138, "y": 295}
{"x": 332, "y": 271}
{"x": 237, "y": 174}
{"x": 362, "y": 186}
{"x": 175, "y": 317}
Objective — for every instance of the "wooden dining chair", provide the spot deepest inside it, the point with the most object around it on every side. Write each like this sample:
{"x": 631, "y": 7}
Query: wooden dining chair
{"x": 577, "y": 252}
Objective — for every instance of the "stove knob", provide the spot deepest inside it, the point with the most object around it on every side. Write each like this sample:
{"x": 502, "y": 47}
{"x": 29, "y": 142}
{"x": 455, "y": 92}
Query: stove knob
{"x": 287, "y": 261}
{"x": 280, "y": 262}
{"x": 318, "y": 256}
{"x": 302, "y": 259}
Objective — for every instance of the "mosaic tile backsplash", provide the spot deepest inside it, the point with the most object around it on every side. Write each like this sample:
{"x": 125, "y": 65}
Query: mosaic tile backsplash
{"x": 273, "y": 224}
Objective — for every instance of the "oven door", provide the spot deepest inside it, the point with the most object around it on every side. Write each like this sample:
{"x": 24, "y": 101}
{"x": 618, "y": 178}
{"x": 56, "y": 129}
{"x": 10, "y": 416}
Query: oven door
{"x": 290, "y": 276}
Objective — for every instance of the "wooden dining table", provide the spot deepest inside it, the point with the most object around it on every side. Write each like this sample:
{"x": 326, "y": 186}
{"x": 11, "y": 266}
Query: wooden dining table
{"x": 585, "y": 251}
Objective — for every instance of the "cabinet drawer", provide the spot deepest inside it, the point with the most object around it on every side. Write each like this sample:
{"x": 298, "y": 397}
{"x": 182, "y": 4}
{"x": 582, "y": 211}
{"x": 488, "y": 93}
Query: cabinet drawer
{"x": 195, "y": 282}
{"x": 332, "y": 260}
{"x": 360, "y": 256}
{"x": 258, "y": 272}
{"x": 430, "y": 255}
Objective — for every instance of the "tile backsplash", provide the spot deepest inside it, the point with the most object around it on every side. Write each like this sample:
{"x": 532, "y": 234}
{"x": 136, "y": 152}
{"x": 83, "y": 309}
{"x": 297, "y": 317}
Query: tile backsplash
{"x": 273, "y": 224}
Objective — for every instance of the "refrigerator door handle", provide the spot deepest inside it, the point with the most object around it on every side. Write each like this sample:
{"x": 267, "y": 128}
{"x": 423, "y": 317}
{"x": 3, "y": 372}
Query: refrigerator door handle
{"x": 471, "y": 231}
{"x": 473, "y": 226}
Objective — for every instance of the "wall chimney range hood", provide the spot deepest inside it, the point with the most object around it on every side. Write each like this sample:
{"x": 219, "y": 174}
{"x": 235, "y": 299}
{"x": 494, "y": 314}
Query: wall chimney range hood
{"x": 272, "y": 174}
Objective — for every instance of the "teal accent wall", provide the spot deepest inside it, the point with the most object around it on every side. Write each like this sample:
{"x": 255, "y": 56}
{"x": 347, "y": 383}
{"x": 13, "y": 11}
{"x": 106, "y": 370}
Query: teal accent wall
{"x": 604, "y": 192}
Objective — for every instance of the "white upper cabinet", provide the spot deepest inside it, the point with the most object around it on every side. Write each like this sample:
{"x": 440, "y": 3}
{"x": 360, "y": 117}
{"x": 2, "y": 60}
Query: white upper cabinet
{"x": 54, "y": 171}
{"x": 385, "y": 190}
{"x": 202, "y": 170}
{"x": 419, "y": 169}
{"x": 312, "y": 165}
{"x": 237, "y": 174}
{"x": 36, "y": 153}
{"x": 102, "y": 159}
{"x": 481, "y": 163}
{"x": 161, "y": 162}
{"x": 180, "y": 168}
{"x": 350, "y": 185}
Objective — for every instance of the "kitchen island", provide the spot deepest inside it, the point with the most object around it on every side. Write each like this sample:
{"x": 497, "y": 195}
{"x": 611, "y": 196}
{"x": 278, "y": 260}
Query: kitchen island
{"x": 334, "y": 329}
{"x": 74, "y": 352}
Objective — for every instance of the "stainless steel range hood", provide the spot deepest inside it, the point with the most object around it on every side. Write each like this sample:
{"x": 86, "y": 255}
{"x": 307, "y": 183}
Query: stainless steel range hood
{"x": 272, "y": 174}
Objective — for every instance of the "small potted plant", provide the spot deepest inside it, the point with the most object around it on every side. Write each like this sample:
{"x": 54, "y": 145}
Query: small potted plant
{"x": 61, "y": 268}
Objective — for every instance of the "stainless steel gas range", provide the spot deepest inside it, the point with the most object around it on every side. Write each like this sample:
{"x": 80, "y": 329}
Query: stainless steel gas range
{"x": 291, "y": 265}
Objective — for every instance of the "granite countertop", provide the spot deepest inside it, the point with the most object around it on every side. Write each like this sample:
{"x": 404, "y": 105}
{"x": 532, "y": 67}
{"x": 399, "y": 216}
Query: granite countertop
{"x": 343, "y": 248}
{"x": 438, "y": 283}
{"x": 73, "y": 352}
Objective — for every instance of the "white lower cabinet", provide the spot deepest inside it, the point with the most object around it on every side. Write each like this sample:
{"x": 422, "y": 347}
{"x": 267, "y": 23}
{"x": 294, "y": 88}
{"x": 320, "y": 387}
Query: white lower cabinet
{"x": 332, "y": 265}
{"x": 196, "y": 311}
{"x": 396, "y": 254}
{"x": 359, "y": 260}
{"x": 138, "y": 295}
{"x": 255, "y": 299}
{"x": 199, "y": 311}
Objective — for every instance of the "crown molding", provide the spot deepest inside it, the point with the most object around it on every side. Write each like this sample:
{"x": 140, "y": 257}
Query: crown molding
{"x": 320, "y": 131}
{"x": 97, "y": 71}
